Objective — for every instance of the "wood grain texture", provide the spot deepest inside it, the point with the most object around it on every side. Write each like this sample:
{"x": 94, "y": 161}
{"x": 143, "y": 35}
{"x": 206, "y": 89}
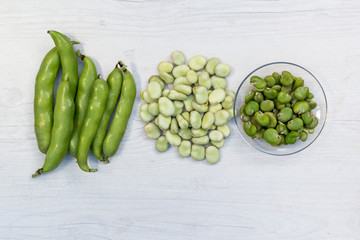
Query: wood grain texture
{"x": 145, "y": 195}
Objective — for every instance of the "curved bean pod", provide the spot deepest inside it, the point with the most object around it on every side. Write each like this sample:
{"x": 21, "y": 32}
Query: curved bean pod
{"x": 86, "y": 79}
{"x": 115, "y": 81}
{"x": 94, "y": 112}
{"x": 122, "y": 114}
{"x": 68, "y": 59}
{"x": 43, "y": 99}
{"x": 62, "y": 129}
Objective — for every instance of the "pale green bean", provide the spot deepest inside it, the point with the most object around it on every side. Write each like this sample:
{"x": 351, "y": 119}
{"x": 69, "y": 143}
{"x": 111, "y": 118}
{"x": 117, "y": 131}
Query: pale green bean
{"x": 219, "y": 144}
{"x": 180, "y": 70}
{"x": 174, "y": 127}
{"x": 179, "y": 105}
{"x": 175, "y": 95}
{"x": 172, "y": 138}
{"x": 204, "y": 80}
{"x": 218, "y": 82}
{"x": 163, "y": 122}
{"x": 195, "y": 119}
{"x": 153, "y": 108}
{"x": 197, "y": 63}
{"x": 197, "y": 152}
{"x": 208, "y": 120}
{"x": 222, "y": 70}
{"x": 184, "y": 89}
{"x": 198, "y": 132}
{"x": 216, "y": 96}
{"x": 225, "y": 129}
{"x": 161, "y": 144}
{"x": 211, "y": 64}
{"x": 152, "y": 131}
{"x": 200, "y": 107}
{"x": 183, "y": 124}
{"x": 166, "y": 77}
{"x": 145, "y": 95}
{"x": 178, "y": 58}
{"x": 216, "y": 135}
{"x": 191, "y": 77}
{"x": 201, "y": 95}
{"x": 215, "y": 107}
{"x": 154, "y": 90}
{"x": 185, "y": 133}
{"x": 221, "y": 117}
{"x": 181, "y": 80}
{"x": 184, "y": 149}
{"x": 188, "y": 103}
{"x": 166, "y": 106}
{"x": 165, "y": 66}
{"x": 228, "y": 102}
{"x": 212, "y": 154}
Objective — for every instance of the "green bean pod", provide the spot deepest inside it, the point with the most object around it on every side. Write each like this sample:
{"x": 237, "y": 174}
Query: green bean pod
{"x": 115, "y": 81}
{"x": 122, "y": 114}
{"x": 43, "y": 99}
{"x": 94, "y": 112}
{"x": 86, "y": 79}
{"x": 68, "y": 59}
{"x": 62, "y": 129}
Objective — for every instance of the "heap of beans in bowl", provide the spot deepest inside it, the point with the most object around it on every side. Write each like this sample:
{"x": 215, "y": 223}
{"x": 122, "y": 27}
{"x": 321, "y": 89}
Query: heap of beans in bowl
{"x": 187, "y": 106}
{"x": 279, "y": 109}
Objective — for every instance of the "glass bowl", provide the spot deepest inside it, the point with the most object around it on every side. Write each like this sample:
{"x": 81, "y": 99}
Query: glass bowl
{"x": 309, "y": 81}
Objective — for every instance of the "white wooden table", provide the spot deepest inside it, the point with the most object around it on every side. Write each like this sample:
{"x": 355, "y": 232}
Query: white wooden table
{"x": 142, "y": 194}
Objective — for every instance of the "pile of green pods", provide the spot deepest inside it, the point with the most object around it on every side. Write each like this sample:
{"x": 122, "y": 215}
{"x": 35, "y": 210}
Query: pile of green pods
{"x": 279, "y": 109}
{"x": 79, "y": 118}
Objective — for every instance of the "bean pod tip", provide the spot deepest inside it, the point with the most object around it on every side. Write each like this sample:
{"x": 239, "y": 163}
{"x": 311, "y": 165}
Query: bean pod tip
{"x": 37, "y": 173}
